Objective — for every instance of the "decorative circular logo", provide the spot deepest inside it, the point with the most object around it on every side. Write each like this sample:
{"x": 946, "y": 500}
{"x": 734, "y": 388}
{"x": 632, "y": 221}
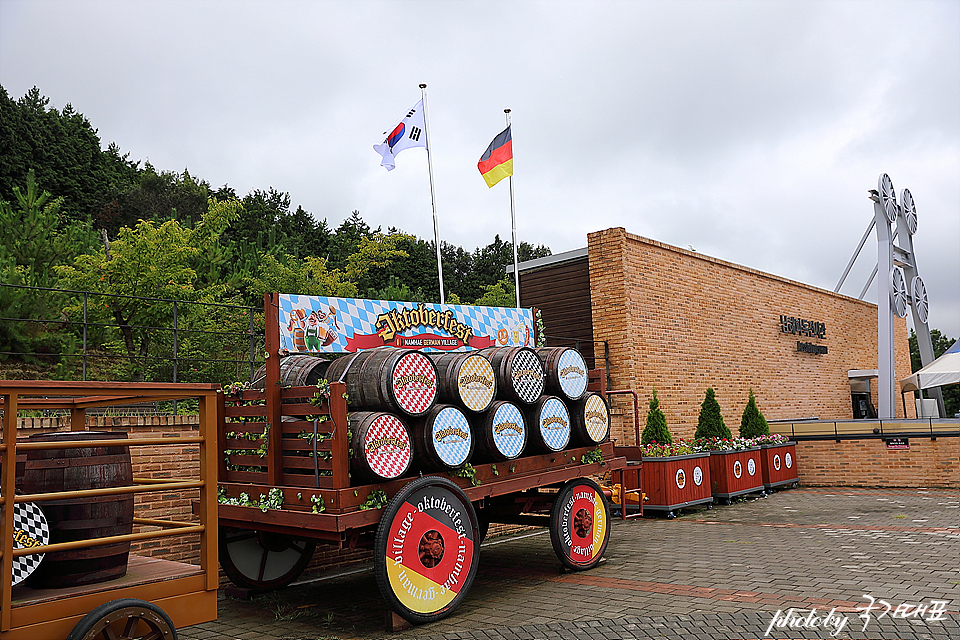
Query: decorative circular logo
{"x": 737, "y": 468}
{"x": 452, "y": 436}
{"x": 509, "y": 430}
{"x": 596, "y": 417}
{"x": 776, "y": 461}
{"x": 387, "y": 446}
{"x": 555, "y": 424}
{"x": 583, "y": 523}
{"x": 697, "y": 476}
{"x": 30, "y": 529}
{"x": 527, "y": 375}
{"x": 476, "y": 382}
{"x": 681, "y": 479}
{"x": 789, "y": 460}
{"x": 751, "y": 466}
{"x": 573, "y": 374}
{"x": 415, "y": 383}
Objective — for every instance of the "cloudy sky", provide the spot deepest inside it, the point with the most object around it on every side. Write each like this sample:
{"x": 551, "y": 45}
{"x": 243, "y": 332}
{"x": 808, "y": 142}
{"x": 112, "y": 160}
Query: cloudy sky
{"x": 748, "y": 130}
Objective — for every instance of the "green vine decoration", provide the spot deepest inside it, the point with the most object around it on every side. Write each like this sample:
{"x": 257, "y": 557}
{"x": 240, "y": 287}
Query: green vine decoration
{"x": 273, "y": 499}
{"x": 376, "y": 500}
{"x": 592, "y": 457}
{"x": 467, "y": 471}
{"x": 493, "y": 469}
{"x": 318, "y": 506}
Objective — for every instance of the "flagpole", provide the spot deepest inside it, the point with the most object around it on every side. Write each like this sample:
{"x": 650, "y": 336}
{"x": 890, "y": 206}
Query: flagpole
{"x": 513, "y": 228}
{"x": 433, "y": 196}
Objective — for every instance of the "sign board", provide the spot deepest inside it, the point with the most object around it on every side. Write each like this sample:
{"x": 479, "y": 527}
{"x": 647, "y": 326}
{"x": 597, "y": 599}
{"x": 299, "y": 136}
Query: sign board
{"x": 898, "y": 443}
{"x": 319, "y": 324}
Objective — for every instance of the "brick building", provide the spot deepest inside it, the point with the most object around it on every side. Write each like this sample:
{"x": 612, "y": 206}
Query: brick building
{"x": 660, "y": 316}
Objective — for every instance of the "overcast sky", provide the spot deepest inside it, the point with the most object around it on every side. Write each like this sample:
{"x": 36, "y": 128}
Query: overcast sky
{"x": 750, "y": 131}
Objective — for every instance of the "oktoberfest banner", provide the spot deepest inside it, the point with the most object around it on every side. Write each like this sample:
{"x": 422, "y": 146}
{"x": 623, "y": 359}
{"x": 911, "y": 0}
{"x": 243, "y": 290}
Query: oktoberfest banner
{"x": 316, "y": 324}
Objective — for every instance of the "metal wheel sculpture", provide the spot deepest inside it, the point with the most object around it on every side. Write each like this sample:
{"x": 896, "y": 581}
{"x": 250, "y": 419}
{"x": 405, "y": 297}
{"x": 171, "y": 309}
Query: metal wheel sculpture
{"x": 909, "y": 210}
{"x": 919, "y": 292}
{"x": 898, "y": 292}
{"x": 125, "y": 619}
{"x": 263, "y": 560}
{"x": 888, "y": 198}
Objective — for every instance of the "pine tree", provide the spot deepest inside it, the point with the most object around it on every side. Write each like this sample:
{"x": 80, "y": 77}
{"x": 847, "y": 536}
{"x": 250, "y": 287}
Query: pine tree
{"x": 710, "y": 423}
{"x": 656, "y": 429}
{"x": 753, "y": 424}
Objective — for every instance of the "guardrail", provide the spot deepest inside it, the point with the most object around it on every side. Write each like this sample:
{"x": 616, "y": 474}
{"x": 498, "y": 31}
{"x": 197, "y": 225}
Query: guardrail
{"x": 868, "y": 429}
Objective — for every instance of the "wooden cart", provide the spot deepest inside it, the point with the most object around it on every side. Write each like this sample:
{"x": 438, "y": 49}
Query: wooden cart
{"x": 291, "y": 488}
{"x": 154, "y": 596}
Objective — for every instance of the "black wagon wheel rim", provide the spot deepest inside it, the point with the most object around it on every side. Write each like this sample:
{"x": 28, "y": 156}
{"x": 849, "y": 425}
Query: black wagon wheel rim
{"x": 580, "y": 524}
{"x": 263, "y": 560}
{"x": 426, "y": 550}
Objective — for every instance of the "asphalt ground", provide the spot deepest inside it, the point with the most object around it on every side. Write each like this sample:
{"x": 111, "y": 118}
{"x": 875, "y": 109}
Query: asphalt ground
{"x": 800, "y": 563}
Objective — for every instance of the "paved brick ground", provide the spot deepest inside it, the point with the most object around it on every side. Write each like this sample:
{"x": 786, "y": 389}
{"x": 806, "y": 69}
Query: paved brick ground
{"x": 720, "y": 574}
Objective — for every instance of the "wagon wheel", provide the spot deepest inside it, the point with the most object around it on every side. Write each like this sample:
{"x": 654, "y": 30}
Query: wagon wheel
{"x": 125, "y": 619}
{"x": 426, "y": 549}
{"x": 580, "y": 524}
{"x": 262, "y": 560}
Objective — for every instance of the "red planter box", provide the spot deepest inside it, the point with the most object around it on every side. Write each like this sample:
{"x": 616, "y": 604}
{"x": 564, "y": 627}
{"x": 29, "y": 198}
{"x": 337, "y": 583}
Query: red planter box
{"x": 676, "y": 482}
{"x": 778, "y": 464}
{"x": 734, "y": 473}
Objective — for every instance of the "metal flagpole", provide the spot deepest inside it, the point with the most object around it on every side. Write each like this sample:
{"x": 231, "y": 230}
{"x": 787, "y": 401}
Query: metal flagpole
{"x": 433, "y": 196}
{"x": 513, "y": 226}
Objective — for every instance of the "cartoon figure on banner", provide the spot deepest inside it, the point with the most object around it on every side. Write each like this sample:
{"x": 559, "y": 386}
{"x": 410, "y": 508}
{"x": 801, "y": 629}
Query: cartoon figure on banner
{"x": 330, "y": 319}
{"x": 297, "y": 329}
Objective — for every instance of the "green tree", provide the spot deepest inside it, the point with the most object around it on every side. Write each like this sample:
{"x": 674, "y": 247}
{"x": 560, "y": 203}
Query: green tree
{"x": 710, "y": 423}
{"x": 501, "y": 294}
{"x": 656, "y": 429}
{"x": 152, "y": 260}
{"x": 752, "y": 423}
{"x": 951, "y": 393}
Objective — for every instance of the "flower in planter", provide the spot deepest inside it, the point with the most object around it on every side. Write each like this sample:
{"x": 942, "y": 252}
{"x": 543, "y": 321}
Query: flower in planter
{"x": 710, "y": 423}
{"x": 656, "y": 429}
{"x": 752, "y": 423}
{"x": 722, "y": 444}
{"x": 771, "y": 438}
{"x": 665, "y": 450}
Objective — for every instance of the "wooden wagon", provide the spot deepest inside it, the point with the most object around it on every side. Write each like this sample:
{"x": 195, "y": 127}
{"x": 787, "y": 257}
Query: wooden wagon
{"x": 147, "y": 597}
{"x": 286, "y": 486}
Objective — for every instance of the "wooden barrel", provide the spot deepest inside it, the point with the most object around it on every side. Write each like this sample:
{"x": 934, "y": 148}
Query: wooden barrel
{"x": 518, "y": 371}
{"x": 387, "y": 379}
{"x": 465, "y": 379}
{"x": 501, "y": 432}
{"x": 295, "y": 371}
{"x": 382, "y": 449}
{"x": 73, "y": 519}
{"x": 565, "y": 372}
{"x": 548, "y": 421}
{"x": 443, "y": 439}
{"x": 590, "y": 420}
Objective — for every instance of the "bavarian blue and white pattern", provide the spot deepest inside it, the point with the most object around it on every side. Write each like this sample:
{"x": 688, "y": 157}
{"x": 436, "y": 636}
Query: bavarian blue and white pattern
{"x": 452, "y": 436}
{"x": 573, "y": 374}
{"x": 509, "y": 430}
{"x": 555, "y": 424}
{"x": 344, "y": 319}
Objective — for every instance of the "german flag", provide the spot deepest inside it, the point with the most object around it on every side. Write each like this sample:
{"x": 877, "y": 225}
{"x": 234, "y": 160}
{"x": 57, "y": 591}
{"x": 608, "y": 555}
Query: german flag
{"x": 496, "y": 163}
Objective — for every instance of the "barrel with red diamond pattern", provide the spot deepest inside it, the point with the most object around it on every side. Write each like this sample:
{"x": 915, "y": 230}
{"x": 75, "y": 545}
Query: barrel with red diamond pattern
{"x": 388, "y": 379}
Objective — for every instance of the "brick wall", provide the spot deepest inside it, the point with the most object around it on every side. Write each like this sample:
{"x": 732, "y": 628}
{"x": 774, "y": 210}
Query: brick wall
{"x": 681, "y": 321}
{"x": 868, "y": 463}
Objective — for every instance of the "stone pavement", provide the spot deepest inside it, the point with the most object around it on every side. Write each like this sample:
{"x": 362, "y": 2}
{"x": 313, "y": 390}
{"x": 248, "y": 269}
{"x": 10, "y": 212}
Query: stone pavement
{"x": 727, "y": 573}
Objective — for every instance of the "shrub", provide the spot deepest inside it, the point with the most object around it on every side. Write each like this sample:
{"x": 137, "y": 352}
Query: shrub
{"x": 710, "y": 424}
{"x": 656, "y": 429}
{"x": 753, "y": 424}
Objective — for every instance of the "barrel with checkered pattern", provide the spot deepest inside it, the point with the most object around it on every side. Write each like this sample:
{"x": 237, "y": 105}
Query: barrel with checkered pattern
{"x": 465, "y": 379}
{"x": 548, "y": 421}
{"x": 565, "y": 372}
{"x": 387, "y": 379}
{"x": 519, "y": 373}
{"x": 443, "y": 439}
{"x": 382, "y": 447}
{"x": 501, "y": 432}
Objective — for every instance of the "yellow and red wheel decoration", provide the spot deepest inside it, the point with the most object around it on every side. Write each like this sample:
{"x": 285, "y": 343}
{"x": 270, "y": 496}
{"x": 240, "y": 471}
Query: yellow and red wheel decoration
{"x": 426, "y": 549}
{"x": 580, "y": 524}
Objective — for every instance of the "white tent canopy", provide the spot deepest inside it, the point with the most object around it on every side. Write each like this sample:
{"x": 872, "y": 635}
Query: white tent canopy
{"x": 944, "y": 370}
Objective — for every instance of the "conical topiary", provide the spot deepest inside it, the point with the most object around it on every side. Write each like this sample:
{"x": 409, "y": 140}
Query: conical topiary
{"x": 753, "y": 424}
{"x": 710, "y": 423}
{"x": 656, "y": 429}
